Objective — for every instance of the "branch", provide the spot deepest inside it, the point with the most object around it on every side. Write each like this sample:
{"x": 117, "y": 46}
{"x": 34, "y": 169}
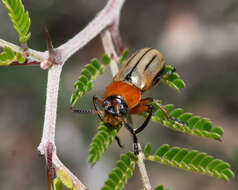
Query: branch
{"x": 109, "y": 16}
{"x": 143, "y": 172}
{"x": 105, "y": 18}
{"x": 110, "y": 50}
{"x": 33, "y": 55}
{"x": 51, "y": 107}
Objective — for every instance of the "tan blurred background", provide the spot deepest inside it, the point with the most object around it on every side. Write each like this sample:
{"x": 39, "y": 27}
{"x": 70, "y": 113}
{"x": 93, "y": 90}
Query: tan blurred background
{"x": 199, "y": 37}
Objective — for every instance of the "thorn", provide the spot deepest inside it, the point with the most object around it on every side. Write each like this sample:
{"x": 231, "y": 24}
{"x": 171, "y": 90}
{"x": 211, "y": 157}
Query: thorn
{"x": 51, "y": 50}
{"x": 49, "y": 41}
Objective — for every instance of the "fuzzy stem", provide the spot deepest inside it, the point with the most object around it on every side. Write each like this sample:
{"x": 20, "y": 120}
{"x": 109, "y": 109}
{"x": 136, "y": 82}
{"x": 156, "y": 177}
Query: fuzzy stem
{"x": 105, "y": 18}
{"x": 110, "y": 50}
{"x": 50, "y": 107}
{"x": 142, "y": 169}
{"x": 33, "y": 54}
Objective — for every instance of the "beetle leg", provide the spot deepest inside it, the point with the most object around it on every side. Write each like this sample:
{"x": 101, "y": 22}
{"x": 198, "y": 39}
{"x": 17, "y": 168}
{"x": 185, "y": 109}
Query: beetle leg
{"x": 118, "y": 141}
{"x": 142, "y": 127}
{"x": 135, "y": 140}
{"x": 142, "y": 106}
{"x": 167, "y": 115}
{"x": 95, "y": 100}
{"x": 163, "y": 110}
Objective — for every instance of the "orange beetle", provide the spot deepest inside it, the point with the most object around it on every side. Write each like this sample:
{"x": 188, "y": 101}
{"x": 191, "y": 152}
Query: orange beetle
{"x": 123, "y": 96}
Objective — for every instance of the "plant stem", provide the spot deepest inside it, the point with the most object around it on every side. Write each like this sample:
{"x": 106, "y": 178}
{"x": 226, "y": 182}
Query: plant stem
{"x": 110, "y": 50}
{"x": 33, "y": 54}
{"x": 50, "y": 107}
{"x": 105, "y": 18}
{"x": 143, "y": 171}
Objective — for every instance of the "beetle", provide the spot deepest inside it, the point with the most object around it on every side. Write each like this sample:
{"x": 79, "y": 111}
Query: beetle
{"x": 123, "y": 96}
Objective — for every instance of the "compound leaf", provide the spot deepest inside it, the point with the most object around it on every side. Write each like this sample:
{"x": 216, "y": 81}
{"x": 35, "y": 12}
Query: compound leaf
{"x": 101, "y": 141}
{"x": 186, "y": 122}
{"x": 8, "y": 56}
{"x": 19, "y": 17}
{"x": 119, "y": 175}
{"x": 171, "y": 78}
{"x": 88, "y": 75}
{"x": 192, "y": 160}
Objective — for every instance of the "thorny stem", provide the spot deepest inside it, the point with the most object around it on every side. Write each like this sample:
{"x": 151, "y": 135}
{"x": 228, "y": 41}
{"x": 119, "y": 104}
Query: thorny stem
{"x": 106, "y": 37}
{"x": 104, "y": 19}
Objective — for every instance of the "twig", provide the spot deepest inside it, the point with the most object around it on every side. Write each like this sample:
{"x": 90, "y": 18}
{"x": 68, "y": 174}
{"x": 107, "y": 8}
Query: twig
{"x": 26, "y": 63}
{"x": 34, "y": 55}
{"x": 105, "y": 18}
{"x": 143, "y": 171}
{"x": 110, "y": 50}
{"x": 50, "y": 108}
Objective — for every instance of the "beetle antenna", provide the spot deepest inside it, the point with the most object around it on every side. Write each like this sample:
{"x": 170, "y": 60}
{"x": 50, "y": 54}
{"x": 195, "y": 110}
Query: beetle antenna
{"x": 87, "y": 111}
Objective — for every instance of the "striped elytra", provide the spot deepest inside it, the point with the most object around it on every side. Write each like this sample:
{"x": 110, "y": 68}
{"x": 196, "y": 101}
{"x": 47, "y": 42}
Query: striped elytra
{"x": 142, "y": 69}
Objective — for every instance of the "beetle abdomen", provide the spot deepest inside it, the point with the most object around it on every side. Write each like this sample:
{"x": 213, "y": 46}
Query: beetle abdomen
{"x": 142, "y": 69}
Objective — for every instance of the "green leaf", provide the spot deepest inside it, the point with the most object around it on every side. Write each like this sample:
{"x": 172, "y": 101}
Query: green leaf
{"x": 8, "y": 56}
{"x": 192, "y": 160}
{"x": 64, "y": 178}
{"x": 101, "y": 141}
{"x": 172, "y": 78}
{"x": 123, "y": 56}
{"x": 9, "y": 53}
{"x": 147, "y": 149}
{"x": 120, "y": 175}
{"x": 160, "y": 187}
{"x": 58, "y": 184}
{"x": 162, "y": 150}
{"x": 106, "y": 59}
{"x": 186, "y": 122}
{"x": 88, "y": 75}
{"x": 20, "y": 58}
{"x": 179, "y": 83}
{"x": 19, "y": 18}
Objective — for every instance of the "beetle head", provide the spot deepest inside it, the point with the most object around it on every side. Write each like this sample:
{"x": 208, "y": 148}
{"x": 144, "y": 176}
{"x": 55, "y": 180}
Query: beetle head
{"x": 115, "y": 105}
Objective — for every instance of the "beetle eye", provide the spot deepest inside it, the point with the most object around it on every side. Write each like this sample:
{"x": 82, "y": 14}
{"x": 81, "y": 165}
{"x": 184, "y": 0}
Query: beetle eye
{"x": 123, "y": 109}
{"x": 105, "y": 104}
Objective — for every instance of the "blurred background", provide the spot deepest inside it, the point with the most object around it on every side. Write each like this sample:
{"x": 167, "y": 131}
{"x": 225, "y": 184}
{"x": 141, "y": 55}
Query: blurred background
{"x": 199, "y": 38}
